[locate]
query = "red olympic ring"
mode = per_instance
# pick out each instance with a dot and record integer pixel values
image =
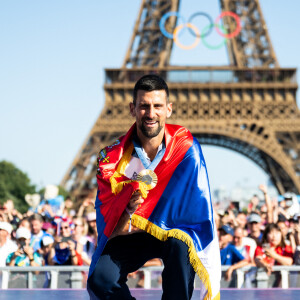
(238, 24)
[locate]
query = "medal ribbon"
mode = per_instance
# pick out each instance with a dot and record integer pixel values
(141, 154)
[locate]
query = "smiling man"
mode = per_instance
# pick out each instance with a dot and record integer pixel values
(153, 201)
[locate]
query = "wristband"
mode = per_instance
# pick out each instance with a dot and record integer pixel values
(130, 216)
(31, 259)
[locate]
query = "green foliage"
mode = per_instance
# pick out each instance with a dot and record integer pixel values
(14, 185)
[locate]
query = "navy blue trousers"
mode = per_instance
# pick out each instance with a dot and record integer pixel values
(127, 253)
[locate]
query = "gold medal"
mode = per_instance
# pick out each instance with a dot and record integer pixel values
(148, 177)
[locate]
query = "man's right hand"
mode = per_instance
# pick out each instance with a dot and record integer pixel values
(135, 200)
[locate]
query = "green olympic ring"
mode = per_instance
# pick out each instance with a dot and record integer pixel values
(216, 46)
(204, 32)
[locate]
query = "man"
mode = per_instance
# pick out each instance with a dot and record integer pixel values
(254, 222)
(24, 256)
(7, 246)
(230, 256)
(154, 178)
(245, 245)
(37, 234)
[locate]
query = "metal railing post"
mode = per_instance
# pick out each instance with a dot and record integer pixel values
(5, 279)
(284, 279)
(262, 278)
(240, 275)
(30, 282)
(76, 280)
(54, 279)
(147, 279)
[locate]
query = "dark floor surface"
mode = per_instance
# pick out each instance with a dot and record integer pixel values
(140, 294)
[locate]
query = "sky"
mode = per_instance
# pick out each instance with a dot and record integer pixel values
(52, 59)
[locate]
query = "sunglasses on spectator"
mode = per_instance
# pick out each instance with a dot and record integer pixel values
(75, 225)
(64, 227)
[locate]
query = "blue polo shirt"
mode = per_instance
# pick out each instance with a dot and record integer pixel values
(230, 255)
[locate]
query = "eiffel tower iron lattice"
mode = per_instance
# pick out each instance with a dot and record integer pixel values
(249, 107)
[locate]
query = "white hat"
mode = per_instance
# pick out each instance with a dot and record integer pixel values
(47, 240)
(23, 232)
(6, 226)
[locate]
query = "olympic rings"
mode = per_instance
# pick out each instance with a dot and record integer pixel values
(237, 20)
(209, 19)
(163, 21)
(216, 46)
(205, 32)
(189, 25)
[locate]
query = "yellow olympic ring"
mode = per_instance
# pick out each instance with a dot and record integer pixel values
(193, 27)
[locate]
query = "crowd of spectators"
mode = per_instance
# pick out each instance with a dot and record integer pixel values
(264, 235)
(44, 237)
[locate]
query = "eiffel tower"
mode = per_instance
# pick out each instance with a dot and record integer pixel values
(249, 106)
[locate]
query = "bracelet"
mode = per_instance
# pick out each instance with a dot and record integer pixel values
(31, 259)
(73, 255)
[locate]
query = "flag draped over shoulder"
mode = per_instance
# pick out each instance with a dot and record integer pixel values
(179, 206)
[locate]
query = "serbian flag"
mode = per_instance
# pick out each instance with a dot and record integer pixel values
(179, 206)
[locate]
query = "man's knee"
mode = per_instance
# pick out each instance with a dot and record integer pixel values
(177, 247)
(105, 277)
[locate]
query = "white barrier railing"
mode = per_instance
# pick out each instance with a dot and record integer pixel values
(76, 277)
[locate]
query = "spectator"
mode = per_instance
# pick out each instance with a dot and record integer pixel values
(287, 233)
(46, 245)
(230, 256)
(25, 255)
(254, 222)
(92, 227)
(80, 236)
(25, 223)
(7, 246)
(36, 222)
(245, 245)
(63, 251)
(267, 209)
(241, 219)
(273, 250)
(68, 210)
(253, 205)
(289, 206)
(88, 202)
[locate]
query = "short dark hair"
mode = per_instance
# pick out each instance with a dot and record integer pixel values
(150, 83)
(36, 217)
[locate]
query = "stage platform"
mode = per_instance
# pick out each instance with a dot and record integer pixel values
(153, 294)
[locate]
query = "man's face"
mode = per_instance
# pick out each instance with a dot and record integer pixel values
(238, 237)
(224, 238)
(254, 227)
(3, 235)
(151, 111)
(36, 226)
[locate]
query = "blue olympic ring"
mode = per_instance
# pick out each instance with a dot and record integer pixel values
(205, 32)
(163, 21)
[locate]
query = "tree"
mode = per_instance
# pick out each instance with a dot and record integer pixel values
(14, 185)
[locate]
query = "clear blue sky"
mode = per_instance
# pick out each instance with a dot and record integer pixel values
(52, 59)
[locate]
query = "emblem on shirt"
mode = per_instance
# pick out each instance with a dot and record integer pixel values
(134, 176)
